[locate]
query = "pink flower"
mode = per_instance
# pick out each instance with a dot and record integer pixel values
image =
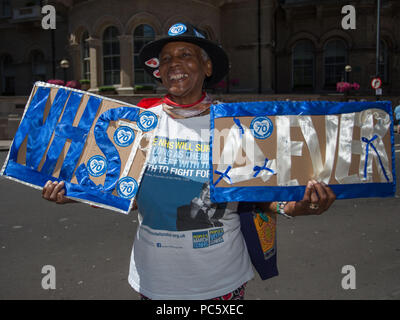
(73, 84)
(341, 86)
(345, 86)
(56, 82)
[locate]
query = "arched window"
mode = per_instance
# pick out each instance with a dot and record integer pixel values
(383, 61)
(303, 64)
(38, 65)
(111, 56)
(85, 56)
(142, 35)
(335, 58)
(7, 72)
(5, 8)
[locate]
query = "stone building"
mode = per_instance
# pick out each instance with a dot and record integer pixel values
(313, 49)
(275, 46)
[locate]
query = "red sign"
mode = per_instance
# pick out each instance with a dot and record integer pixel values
(376, 83)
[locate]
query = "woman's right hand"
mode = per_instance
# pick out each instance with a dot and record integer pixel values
(54, 191)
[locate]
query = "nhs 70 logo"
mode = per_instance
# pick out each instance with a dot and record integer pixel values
(97, 166)
(124, 136)
(147, 121)
(127, 187)
(261, 127)
(177, 29)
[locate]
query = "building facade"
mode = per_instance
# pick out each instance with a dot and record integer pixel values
(313, 48)
(275, 46)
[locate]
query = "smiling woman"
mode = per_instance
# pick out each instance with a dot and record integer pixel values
(183, 71)
(186, 246)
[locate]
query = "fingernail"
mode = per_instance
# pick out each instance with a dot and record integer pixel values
(309, 184)
(314, 182)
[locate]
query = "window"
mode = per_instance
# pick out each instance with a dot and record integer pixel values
(5, 8)
(38, 66)
(85, 56)
(111, 57)
(335, 57)
(7, 72)
(142, 35)
(383, 61)
(303, 65)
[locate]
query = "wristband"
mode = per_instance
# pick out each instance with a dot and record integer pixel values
(280, 209)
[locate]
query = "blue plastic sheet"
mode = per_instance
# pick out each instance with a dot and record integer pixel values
(106, 145)
(47, 126)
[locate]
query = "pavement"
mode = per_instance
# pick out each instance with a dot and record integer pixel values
(90, 250)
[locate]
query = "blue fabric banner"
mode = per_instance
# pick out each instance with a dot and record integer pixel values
(63, 129)
(267, 151)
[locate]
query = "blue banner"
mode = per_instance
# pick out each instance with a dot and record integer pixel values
(60, 131)
(267, 151)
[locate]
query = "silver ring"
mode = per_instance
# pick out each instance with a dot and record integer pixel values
(314, 206)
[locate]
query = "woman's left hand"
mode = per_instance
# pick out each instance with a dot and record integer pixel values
(318, 197)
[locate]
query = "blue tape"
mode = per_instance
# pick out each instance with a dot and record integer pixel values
(276, 108)
(369, 143)
(39, 179)
(296, 193)
(393, 150)
(237, 122)
(32, 121)
(82, 177)
(78, 191)
(40, 138)
(58, 144)
(107, 147)
(78, 142)
(222, 175)
(68, 132)
(26, 174)
(258, 169)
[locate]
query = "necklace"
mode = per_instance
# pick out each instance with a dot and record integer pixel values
(176, 111)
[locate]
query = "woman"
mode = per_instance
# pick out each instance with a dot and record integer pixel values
(187, 247)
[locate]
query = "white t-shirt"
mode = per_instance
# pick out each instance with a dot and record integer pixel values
(186, 247)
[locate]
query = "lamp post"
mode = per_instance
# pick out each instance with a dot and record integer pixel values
(64, 64)
(378, 36)
(347, 70)
(378, 40)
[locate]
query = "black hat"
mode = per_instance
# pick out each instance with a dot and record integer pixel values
(187, 33)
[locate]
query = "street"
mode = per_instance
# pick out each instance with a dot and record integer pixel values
(90, 249)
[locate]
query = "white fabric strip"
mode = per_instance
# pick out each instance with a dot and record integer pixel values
(322, 171)
(138, 138)
(235, 142)
(284, 151)
(345, 150)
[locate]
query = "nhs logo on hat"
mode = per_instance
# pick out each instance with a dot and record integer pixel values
(198, 34)
(177, 29)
